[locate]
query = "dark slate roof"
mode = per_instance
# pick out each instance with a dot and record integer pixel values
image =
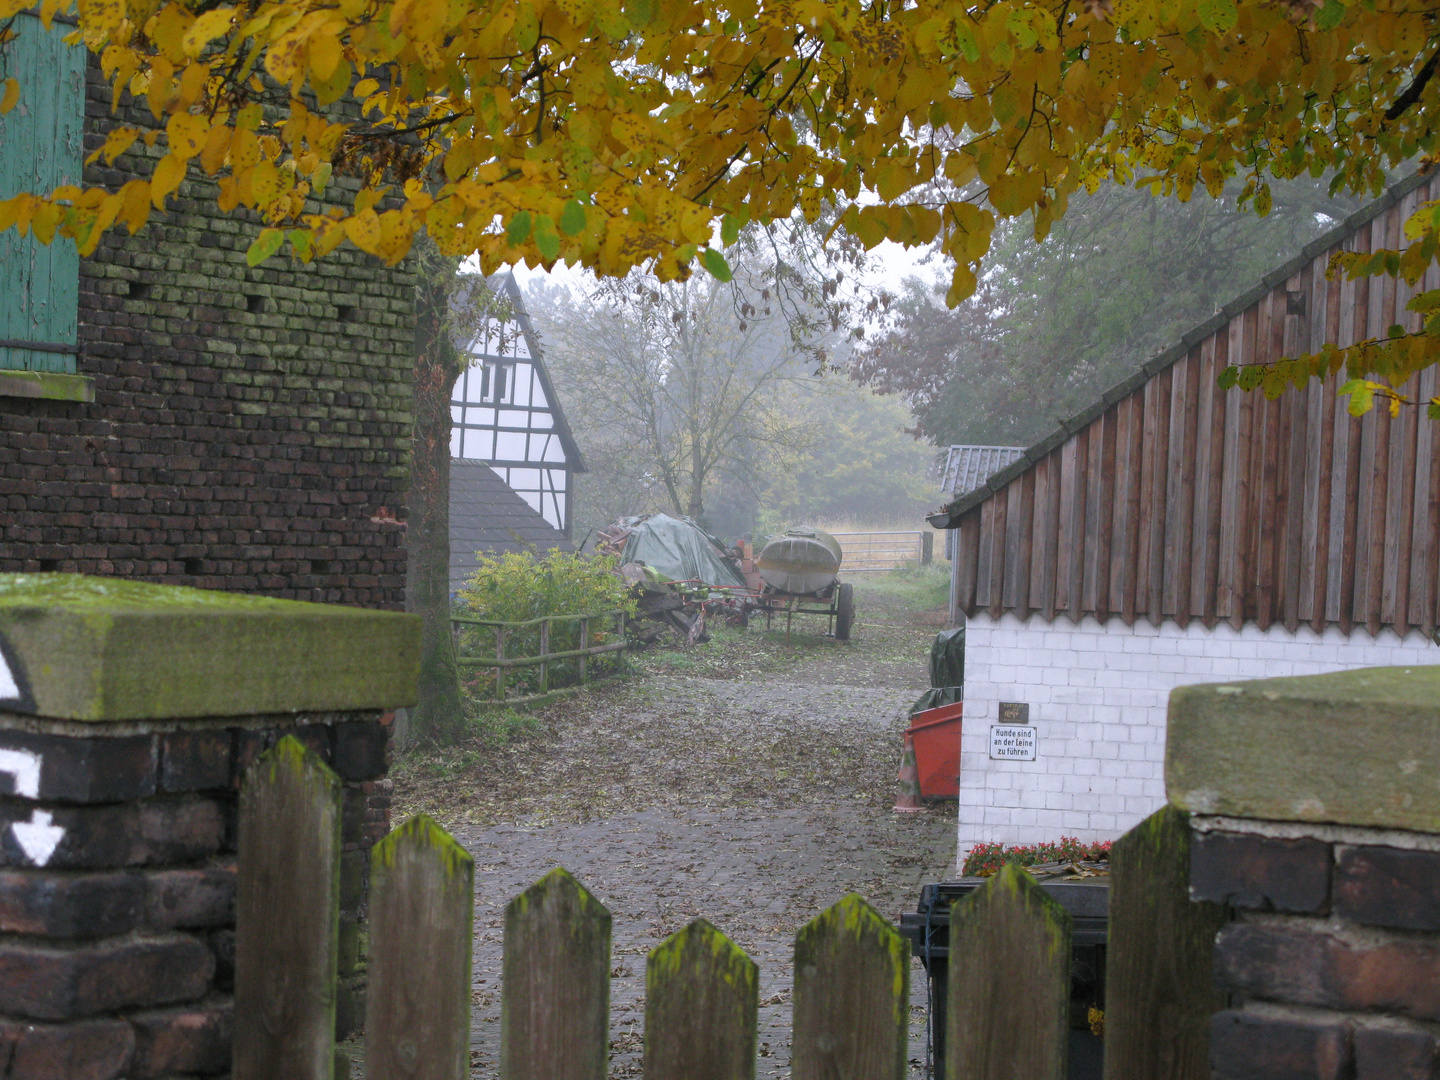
(949, 515)
(486, 515)
(967, 467)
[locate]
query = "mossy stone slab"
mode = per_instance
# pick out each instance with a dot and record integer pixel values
(1353, 748)
(106, 649)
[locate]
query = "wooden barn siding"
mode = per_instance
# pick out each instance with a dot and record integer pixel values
(1182, 501)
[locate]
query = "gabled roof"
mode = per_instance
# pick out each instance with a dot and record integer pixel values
(1172, 499)
(505, 284)
(1031, 454)
(486, 515)
(967, 467)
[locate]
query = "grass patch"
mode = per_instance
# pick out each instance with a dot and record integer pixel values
(920, 588)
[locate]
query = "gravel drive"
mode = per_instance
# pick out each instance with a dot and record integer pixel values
(749, 781)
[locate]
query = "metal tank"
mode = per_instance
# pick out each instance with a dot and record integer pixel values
(803, 562)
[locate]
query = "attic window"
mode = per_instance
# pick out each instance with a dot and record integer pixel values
(494, 379)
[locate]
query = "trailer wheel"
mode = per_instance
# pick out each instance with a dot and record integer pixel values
(844, 611)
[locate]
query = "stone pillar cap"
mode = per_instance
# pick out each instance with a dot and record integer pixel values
(1352, 748)
(75, 647)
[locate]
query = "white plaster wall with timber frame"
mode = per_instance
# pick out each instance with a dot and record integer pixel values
(1098, 696)
(504, 413)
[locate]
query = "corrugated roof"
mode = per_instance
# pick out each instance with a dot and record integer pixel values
(967, 467)
(487, 515)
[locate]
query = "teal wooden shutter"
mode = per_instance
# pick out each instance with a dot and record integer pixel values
(41, 146)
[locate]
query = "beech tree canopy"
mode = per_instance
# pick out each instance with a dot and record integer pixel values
(614, 134)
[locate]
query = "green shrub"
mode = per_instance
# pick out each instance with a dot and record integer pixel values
(520, 586)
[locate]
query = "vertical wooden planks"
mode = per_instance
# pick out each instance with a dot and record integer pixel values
(1370, 517)
(1047, 515)
(555, 985)
(701, 1001)
(1019, 531)
(1099, 510)
(1399, 506)
(1180, 488)
(1007, 1017)
(999, 512)
(1209, 461)
(1234, 484)
(422, 901)
(1130, 452)
(287, 917)
(984, 550)
(1270, 437)
(1159, 993)
(1070, 569)
(1318, 444)
(852, 996)
(967, 554)
(1421, 565)
(1297, 430)
(1432, 600)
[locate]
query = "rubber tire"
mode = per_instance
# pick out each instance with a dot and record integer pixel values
(844, 611)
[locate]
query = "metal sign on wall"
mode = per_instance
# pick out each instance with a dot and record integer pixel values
(1013, 739)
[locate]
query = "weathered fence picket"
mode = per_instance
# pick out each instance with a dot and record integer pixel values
(702, 998)
(1008, 1013)
(422, 903)
(555, 983)
(287, 917)
(1160, 991)
(1007, 1004)
(852, 996)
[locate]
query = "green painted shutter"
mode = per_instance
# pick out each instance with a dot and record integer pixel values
(41, 146)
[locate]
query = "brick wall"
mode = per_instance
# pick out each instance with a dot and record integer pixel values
(1098, 697)
(117, 953)
(250, 429)
(1333, 958)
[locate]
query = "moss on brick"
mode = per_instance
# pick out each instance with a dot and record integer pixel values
(1352, 748)
(102, 649)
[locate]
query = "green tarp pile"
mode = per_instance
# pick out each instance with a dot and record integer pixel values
(678, 549)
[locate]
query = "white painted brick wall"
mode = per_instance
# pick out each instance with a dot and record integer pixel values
(1098, 697)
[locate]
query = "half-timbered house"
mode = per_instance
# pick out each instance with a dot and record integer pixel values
(513, 458)
(1179, 533)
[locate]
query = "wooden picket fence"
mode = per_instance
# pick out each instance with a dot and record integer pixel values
(1009, 973)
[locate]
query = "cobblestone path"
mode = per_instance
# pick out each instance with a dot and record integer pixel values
(752, 793)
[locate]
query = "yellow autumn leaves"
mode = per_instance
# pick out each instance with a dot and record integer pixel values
(615, 133)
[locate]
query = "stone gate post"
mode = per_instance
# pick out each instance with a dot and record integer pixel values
(1316, 804)
(128, 714)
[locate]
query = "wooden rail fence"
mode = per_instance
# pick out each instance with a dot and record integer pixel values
(1009, 980)
(503, 662)
(874, 552)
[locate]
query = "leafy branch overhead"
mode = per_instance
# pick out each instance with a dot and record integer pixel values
(619, 133)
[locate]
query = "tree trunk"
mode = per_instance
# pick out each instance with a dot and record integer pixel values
(696, 509)
(438, 718)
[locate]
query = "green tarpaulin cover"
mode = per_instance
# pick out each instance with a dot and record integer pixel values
(947, 671)
(679, 550)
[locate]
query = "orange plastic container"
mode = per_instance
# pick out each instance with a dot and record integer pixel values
(935, 734)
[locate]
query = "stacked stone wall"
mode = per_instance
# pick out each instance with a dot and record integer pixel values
(1316, 822)
(250, 429)
(1333, 958)
(117, 952)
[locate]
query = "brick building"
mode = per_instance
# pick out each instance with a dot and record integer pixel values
(1178, 533)
(168, 413)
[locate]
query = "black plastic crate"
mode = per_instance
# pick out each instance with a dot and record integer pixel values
(1087, 901)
